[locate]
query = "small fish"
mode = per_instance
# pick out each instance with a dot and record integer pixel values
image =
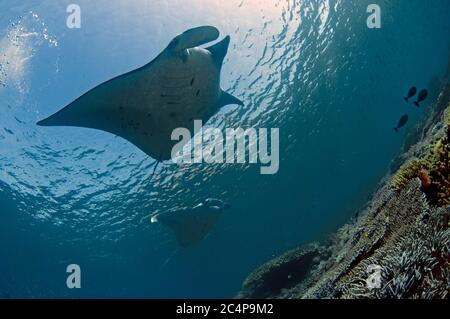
(422, 97)
(412, 91)
(403, 120)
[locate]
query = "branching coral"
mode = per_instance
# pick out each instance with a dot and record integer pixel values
(414, 265)
(421, 271)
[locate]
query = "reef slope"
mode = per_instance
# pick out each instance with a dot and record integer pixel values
(402, 233)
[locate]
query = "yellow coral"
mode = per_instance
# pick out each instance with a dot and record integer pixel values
(446, 120)
(436, 163)
(439, 192)
(408, 171)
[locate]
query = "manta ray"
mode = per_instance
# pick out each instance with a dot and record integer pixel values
(191, 225)
(144, 106)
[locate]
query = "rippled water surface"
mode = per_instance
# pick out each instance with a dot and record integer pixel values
(311, 68)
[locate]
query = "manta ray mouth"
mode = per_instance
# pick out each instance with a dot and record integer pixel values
(193, 38)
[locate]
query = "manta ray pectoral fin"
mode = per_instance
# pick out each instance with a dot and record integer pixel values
(47, 122)
(102, 107)
(227, 99)
(193, 38)
(60, 118)
(219, 50)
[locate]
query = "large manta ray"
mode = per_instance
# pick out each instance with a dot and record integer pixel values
(144, 106)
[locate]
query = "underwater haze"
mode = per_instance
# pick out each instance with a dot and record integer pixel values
(311, 68)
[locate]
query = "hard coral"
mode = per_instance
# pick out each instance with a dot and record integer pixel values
(433, 169)
(447, 117)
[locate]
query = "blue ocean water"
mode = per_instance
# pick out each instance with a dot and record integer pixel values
(311, 68)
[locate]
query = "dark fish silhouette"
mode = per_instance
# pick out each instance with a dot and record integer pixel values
(422, 97)
(403, 120)
(191, 225)
(412, 91)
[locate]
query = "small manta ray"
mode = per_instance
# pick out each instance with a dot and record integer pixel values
(412, 91)
(144, 106)
(403, 120)
(422, 97)
(191, 225)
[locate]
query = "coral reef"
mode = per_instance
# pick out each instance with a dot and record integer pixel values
(439, 191)
(404, 232)
(277, 278)
(414, 258)
(407, 172)
(433, 168)
(446, 119)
